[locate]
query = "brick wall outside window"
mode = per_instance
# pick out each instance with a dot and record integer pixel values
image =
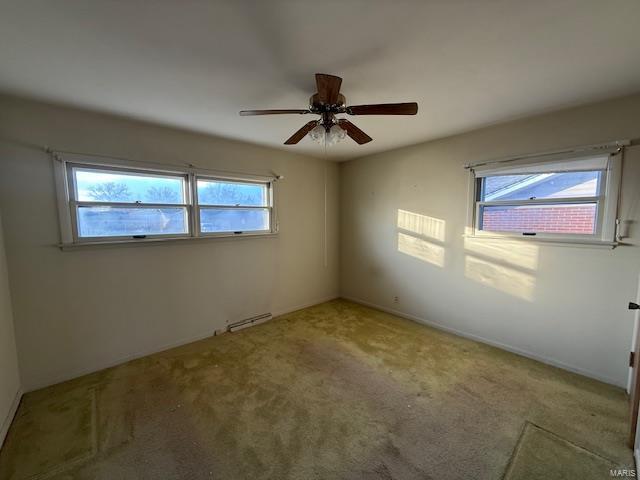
(578, 219)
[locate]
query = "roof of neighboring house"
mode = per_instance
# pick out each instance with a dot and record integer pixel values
(501, 182)
(541, 185)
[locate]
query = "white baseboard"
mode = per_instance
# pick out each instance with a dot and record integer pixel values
(167, 346)
(284, 311)
(493, 343)
(6, 423)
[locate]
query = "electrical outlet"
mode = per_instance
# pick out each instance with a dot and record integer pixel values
(396, 300)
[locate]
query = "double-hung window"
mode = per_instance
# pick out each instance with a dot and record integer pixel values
(102, 203)
(565, 199)
(119, 203)
(232, 206)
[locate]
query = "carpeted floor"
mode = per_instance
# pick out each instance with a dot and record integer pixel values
(335, 391)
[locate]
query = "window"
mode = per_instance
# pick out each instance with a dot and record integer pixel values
(566, 199)
(226, 206)
(116, 203)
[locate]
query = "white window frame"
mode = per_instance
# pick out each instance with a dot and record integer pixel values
(606, 205)
(199, 207)
(68, 204)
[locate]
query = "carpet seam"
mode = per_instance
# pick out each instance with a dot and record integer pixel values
(518, 446)
(515, 450)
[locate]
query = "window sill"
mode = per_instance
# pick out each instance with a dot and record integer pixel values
(549, 241)
(158, 241)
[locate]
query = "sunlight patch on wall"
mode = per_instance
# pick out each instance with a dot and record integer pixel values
(508, 265)
(518, 254)
(501, 277)
(421, 249)
(421, 237)
(424, 225)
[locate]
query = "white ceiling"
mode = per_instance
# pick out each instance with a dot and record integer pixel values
(195, 64)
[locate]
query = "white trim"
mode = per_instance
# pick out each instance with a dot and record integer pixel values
(493, 343)
(633, 349)
(63, 377)
(471, 204)
(160, 240)
(634, 338)
(560, 242)
(636, 446)
(612, 197)
(540, 201)
(6, 423)
(62, 196)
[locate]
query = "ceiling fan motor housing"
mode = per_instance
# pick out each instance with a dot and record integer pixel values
(318, 106)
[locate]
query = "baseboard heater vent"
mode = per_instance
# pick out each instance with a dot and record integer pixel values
(249, 322)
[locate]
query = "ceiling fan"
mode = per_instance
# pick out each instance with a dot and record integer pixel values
(328, 102)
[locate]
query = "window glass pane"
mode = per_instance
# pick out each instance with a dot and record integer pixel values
(216, 192)
(579, 218)
(110, 186)
(122, 221)
(542, 185)
(233, 219)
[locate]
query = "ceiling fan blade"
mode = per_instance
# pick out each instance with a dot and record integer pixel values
(245, 113)
(328, 88)
(384, 109)
(354, 132)
(299, 135)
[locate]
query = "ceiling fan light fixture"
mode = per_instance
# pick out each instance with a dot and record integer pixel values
(327, 136)
(335, 135)
(317, 134)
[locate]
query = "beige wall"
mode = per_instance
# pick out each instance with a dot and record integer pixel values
(78, 311)
(562, 304)
(9, 375)
(81, 310)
